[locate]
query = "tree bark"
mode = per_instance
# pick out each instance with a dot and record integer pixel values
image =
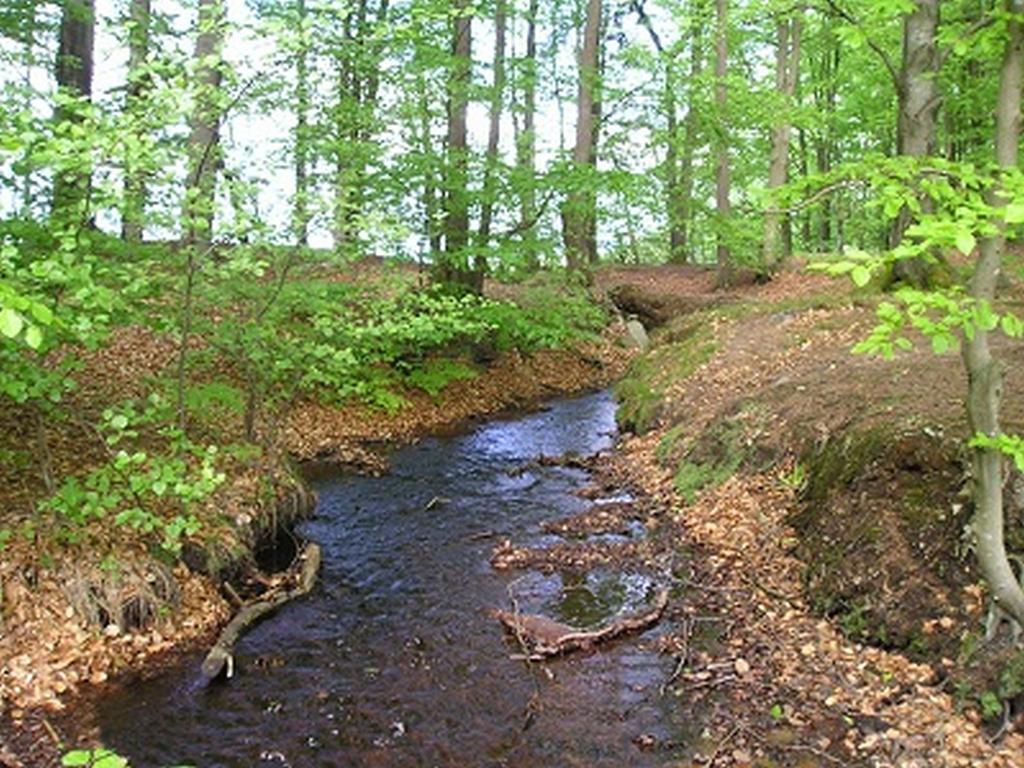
(526, 146)
(494, 131)
(919, 100)
(300, 211)
(984, 373)
(135, 193)
(675, 205)
(74, 69)
(723, 258)
(686, 179)
(454, 267)
(787, 66)
(579, 212)
(204, 128)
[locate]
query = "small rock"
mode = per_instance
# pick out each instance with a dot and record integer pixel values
(742, 667)
(636, 335)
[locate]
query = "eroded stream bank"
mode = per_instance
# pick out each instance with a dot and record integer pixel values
(393, 659)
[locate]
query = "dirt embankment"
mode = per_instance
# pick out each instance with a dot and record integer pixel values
(80, 610)
(825, 496)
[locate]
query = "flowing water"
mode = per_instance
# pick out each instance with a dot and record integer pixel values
(392, 660)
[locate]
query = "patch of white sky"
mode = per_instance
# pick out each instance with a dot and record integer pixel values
(258, 139)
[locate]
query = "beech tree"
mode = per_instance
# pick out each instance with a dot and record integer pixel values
(723, 205)
(74, 70)
(204, 149)
(787, 67)
(134, 209)
(984, 373)
(579, 211)
(455, 267)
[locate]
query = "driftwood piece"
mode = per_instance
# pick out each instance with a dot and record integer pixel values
(220, 658)
(544, 638)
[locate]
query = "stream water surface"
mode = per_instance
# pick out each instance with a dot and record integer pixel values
(392, 660)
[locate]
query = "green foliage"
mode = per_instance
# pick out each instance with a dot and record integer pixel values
(93, 758)
(434, 375)
(148, 491)
(101, 757)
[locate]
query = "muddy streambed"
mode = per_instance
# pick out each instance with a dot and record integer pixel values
(392, 660)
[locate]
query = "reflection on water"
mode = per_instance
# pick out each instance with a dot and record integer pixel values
(392, 660)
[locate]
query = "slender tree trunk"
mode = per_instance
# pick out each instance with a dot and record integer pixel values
(426, 148)
(351, 71)
(454, 267)
(805, 219)
(675, 206)
(825, 94)
(722, 184)
(579, 214)
(919, 100)
(74, 69)
(526, 146)
(27, 188)
(690, 126)
(984, 373)
(204, 128)
(300, 211)
(135, 193)
(787, 65)
(494, 132)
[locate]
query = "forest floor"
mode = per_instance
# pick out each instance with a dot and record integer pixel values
(831, 615)
(822, 494)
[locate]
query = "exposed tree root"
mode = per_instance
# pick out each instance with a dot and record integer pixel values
(220, 658)
(543, 638)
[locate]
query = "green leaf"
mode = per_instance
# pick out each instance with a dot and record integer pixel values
(11, 323)
(77, 757)
(860, 275)
(119, 422)
(33, 337)
(941, 344)
(776, 712)
(1012, 325)
(42, 313)
(108, 759)
(965, 242)
(1015, 213)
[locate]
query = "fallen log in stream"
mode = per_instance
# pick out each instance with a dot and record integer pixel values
(542, 638)
(220, 658)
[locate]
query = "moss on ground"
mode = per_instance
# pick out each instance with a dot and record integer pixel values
(641, 392)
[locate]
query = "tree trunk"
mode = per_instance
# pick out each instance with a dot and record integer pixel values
(918, 94)
(579, 214)
(526, 146)
(494, 132)
(300, 211)
(675, 205)
(204, 128)
(430, 201)
(787, 65)
(454, 267)
(351, 70)
(825, 94)
(984, 373)
(723, 258)
(697, 25)
(134, 211)
(74, 68)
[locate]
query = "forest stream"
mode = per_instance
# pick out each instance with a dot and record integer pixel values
(393, 659)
